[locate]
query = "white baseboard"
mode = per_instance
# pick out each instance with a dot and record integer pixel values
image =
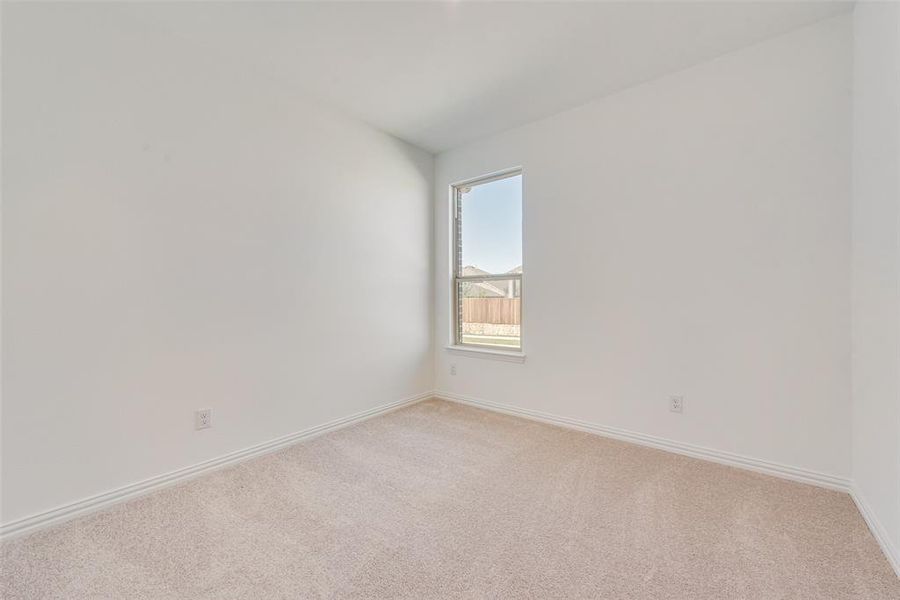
(100, 501)
(878, 531)
(825, 480)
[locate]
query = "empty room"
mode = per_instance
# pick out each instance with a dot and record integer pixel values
(450, 299)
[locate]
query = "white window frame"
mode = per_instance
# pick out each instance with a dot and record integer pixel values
(456, 278)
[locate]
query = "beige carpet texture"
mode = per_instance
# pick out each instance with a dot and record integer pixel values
(440, 500)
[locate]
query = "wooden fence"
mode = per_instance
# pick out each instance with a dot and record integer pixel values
(506, 311)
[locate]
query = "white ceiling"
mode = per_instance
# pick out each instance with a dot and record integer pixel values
(440, 74)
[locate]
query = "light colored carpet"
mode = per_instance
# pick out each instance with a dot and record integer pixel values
(444, 501)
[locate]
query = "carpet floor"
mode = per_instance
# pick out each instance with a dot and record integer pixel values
(439, 500)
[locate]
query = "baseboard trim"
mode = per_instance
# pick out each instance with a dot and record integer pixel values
(878, 531)
(798, 474)
(95, 503)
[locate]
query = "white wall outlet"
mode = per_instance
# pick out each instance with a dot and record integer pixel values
(203, 418)
(453, 369)
(676, 403)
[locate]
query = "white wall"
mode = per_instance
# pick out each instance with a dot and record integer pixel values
(687, 236)
(876, 265)
(178, 233)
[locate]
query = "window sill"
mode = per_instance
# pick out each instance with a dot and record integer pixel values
(489, 353)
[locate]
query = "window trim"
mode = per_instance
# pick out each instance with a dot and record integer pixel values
(456, 345)
(491, 352)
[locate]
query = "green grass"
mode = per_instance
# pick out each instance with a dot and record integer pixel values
(502, 341)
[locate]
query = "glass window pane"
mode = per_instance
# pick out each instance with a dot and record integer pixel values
(491, 312)
(491, 227)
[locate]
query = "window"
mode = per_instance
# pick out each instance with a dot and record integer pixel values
(487, 264)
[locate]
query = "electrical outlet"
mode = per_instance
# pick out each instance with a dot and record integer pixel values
(203, 418)
(676, 403)
(453, 369)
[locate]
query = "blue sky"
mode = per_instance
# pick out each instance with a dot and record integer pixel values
(492, 225)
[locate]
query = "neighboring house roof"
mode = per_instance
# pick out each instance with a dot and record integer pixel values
(470, 271)
(485, 289)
